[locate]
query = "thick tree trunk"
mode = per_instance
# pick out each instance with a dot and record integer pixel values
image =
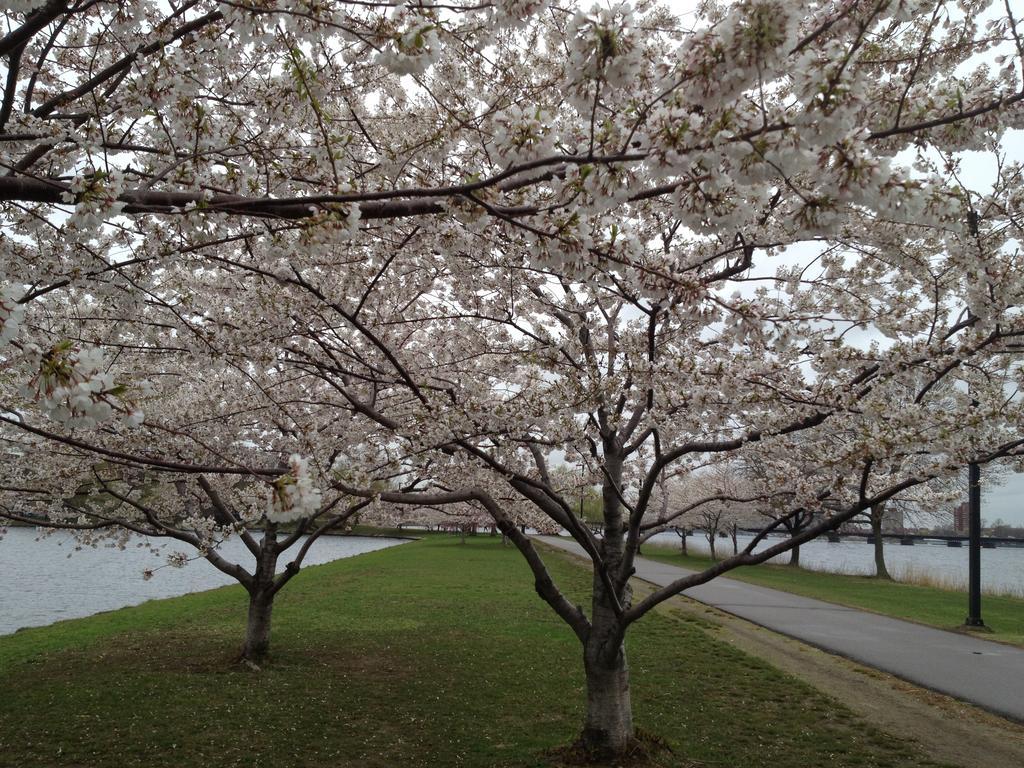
(711, 544)
(608, 729)
(609, 725)
(257, 630)
(261, 599)
(876, 529)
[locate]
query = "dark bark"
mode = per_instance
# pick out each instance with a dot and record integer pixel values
(734, 534)
(797, 525)
(257, 629)
(608, 729)
(261, 598)
(34, 22)
(794, 556)
(881, 571)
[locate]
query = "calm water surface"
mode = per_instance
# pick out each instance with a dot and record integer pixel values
(1002, 569)
(44, 579)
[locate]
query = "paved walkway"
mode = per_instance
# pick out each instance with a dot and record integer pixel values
(988, 674)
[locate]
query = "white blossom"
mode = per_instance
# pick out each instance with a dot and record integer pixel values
(294, 495)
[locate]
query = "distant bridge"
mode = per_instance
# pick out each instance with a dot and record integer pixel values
(906, 539)
(909, 539)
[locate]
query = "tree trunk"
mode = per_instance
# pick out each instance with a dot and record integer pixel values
(881, 571)
(794, 556)
(734, 533)
(608, 729)
(609, 725)
(261, 598)
(682, 542)
(711, 544)
(257, 630)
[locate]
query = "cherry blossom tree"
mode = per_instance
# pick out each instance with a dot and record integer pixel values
(110, 509)
(649, 244)
(927, 505)
(197, 472)
(907, 507)
(716, 500)
(763, 473)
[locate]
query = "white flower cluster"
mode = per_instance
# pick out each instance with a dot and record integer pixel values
(293, 495)
(604, 47)
(908, 10)
(756, 34)
(523, 134)
(515, 13)
(177, 559)
(204, 527)
(95, 197)
(11, 315)
(74, 389)
(415, 48)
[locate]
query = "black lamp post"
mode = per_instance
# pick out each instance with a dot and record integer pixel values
(973, 509)
(974, 542)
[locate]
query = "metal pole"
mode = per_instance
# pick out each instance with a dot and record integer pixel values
(974, 542)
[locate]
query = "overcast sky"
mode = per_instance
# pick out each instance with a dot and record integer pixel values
(1005, 501)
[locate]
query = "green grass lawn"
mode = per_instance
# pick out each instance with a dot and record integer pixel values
(928, 605)
(433, 653)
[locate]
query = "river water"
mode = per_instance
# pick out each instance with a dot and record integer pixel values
(1002, 569)
(44, 579)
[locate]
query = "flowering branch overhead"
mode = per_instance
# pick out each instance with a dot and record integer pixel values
(348, 254)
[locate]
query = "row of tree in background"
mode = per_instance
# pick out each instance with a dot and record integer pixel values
(1001, 528)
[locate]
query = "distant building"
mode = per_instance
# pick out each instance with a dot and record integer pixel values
(961, 521)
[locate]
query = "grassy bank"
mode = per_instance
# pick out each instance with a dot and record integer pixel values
(936, 607)
(434, 653)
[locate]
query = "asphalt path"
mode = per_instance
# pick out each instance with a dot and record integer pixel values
(988, 674)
